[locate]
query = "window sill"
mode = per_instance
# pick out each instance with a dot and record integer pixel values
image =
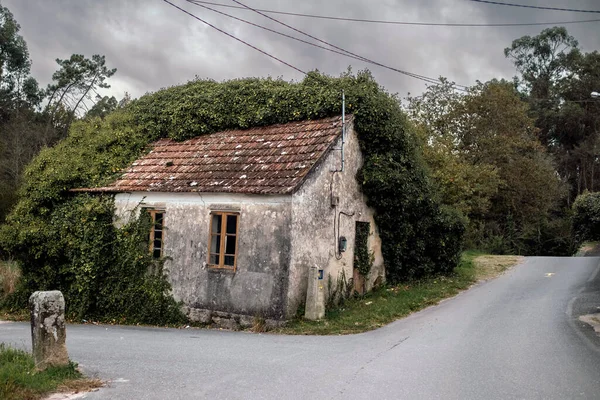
(217, 268)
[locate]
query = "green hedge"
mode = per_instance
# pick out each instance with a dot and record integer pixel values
(94, 258)
(586, 216)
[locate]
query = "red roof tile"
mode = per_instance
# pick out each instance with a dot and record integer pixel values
(265, 160)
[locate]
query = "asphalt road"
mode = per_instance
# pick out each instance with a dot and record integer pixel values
(516, 337)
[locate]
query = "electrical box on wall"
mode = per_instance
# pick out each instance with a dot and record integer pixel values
(335, 201)
(342, 244)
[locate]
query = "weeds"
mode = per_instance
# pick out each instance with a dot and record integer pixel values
(9, 277)
(19, 379)
(338, 291)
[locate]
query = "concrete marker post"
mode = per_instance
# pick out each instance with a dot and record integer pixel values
(315, 305)
(48, 330)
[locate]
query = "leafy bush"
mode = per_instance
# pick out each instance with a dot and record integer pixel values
(101, 269)
(553, 237)
(67, 241)
(586, 216)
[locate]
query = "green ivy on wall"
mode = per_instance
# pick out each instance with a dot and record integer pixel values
(363, 259)
(419, 237)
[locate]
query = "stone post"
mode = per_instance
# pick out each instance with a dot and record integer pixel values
(315, 304)
(48, 333)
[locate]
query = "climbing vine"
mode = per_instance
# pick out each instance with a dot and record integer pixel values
(64, 240)
(363, 259)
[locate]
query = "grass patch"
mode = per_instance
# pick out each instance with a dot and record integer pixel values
(388, 304)
(9, 277)
(19, 379)
(17, 315)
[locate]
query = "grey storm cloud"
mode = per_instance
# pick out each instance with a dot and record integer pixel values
(154, 45)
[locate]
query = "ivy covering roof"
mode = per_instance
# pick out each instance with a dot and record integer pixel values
(271, 159)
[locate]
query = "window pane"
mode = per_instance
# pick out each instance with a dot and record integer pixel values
(215, 243)
(230, 245)
(158, 219)
(216, 223)
(231, 224)
(157, 244)
(157, 234)
(156, 253)
(214, 259)
(229, 260)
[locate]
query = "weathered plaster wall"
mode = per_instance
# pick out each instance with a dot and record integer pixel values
(259, 284)
(314, 241)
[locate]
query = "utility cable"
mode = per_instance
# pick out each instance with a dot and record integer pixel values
(417, 76)
(388, 22)
(430, 80)
(234, 37)
(497, 3)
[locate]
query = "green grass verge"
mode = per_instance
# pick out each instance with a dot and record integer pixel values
(388, 304)
(19, 379)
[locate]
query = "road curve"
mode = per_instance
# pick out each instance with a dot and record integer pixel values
(516, 337)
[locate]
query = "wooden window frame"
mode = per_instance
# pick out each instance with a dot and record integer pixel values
(152, 212)
(224, 234)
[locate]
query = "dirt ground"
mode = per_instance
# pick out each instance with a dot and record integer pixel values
(491, 266)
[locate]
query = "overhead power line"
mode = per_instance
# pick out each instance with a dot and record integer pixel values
(276, 32)
(413, 75)
(234, 37)
(346, 54)
(498, 3)
(389, 22)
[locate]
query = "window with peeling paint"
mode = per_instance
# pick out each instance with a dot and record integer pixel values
(222, 247)
(157, 232)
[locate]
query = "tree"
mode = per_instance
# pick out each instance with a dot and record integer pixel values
(73, 84)
(19, 143)
(557, 78)
(497, 130)
(19, 96)
(483, 149)
(464, 185)
(543, 60)
(17, 88)
(104, 106)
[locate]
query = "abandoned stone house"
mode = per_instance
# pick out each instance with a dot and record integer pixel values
(243, 216)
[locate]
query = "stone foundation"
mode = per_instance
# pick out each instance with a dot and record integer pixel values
(230, 321)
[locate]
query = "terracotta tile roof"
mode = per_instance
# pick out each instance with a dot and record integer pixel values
(265, 160)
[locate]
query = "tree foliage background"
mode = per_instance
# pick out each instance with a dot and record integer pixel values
(556, 79)
(484, 149)
(513, 156)
(32, 118)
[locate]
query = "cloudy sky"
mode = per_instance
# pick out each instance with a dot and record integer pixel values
(154, 45)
